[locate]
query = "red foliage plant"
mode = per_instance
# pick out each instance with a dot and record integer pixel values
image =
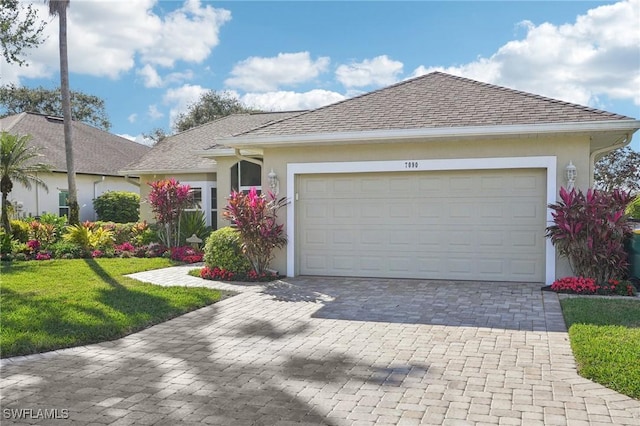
(255, 218)
(168, 198)
(590, 230)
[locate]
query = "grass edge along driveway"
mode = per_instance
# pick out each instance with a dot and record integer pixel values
(48, 305)
(605, 339)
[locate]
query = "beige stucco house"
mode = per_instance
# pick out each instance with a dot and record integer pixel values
(437, 177)
(98, 157)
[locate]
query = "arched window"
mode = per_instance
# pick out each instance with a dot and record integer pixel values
(245, 175)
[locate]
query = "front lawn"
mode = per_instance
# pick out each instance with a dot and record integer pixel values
(605, 338)
(47, 305)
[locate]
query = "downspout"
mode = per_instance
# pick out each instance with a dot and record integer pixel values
(95, 194)
(594, 154)
(249, 159)
(37, 198)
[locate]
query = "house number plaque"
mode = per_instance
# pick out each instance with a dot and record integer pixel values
(410, 164)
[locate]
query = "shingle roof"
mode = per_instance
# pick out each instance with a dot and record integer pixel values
(179, 152)
(431, 101)
(95, 151)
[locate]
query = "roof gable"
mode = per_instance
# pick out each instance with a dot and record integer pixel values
(435, 100)
(95, 151)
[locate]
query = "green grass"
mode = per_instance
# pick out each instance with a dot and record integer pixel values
(605, 338)
(47, 305)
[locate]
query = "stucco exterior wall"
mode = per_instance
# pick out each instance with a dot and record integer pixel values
(564, 148)
(38, 201)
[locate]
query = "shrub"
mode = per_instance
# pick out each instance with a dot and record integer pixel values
(89, 237)
(216, 274)
(122, 232)
(633, 209)
(20, 230)
(118, 206)
(168, 199)
(58, 223)
(255, 218)
(590, 231)
(193, 223)
(65, 250)
(186, 254)
(43, 232)
(222, 250)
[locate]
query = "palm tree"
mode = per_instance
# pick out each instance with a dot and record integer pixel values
(59, 8)
(16, 165)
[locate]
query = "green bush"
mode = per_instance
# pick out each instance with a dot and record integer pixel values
(20, 230)
(65, 250)
(193, 222)
(633, 209)
(58, 222)
(222, 250)
(118, 206)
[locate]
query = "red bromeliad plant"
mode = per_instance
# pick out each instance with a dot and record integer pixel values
(254, 217)
(589, 230)
(168, 199)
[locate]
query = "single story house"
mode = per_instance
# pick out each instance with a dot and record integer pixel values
(436, 177)
(98, 155)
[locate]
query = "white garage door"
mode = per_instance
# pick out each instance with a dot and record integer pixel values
(463, 225)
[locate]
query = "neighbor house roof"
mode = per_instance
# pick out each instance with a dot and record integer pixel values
(180, 152)
(95, 151)
(437, 102)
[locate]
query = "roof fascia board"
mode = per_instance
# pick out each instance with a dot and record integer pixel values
(127, 172)
(432, 133)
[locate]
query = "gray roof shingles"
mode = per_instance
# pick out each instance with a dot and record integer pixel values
(95, 151)
(431, 101)
(179, 152)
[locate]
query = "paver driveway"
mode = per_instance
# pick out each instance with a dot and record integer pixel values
(328, 351)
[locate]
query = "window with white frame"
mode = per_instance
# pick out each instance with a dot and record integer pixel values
(246, 175)
(63, 203)
(196, 200)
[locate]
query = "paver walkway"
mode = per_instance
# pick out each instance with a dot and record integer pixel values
(328, 351)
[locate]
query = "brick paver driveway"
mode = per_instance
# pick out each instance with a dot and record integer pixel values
(328, 351)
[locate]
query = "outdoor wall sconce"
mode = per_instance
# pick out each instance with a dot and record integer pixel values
(572, 173)
(274, 183)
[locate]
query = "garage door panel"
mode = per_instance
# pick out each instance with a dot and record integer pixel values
(437, 225)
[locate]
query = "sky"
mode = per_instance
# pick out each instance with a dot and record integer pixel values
(150, 59)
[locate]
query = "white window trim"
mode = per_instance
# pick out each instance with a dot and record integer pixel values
(549, 163)
(205, 187)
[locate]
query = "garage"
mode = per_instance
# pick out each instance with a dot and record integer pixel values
(442, 224)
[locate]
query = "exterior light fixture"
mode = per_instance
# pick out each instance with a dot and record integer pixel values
(274, 183)
(572, 173)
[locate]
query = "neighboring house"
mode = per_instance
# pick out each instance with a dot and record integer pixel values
(176, 156)
(437, 177)
(98, 156)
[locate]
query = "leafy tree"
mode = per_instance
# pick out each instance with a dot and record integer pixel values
(210, 106)
(87, 108)
(19, 30)
(255, 218)
(618, 169)
(59, 8)
(156, 135)
(16, 164)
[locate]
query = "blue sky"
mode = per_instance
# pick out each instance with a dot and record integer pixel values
(149, 59)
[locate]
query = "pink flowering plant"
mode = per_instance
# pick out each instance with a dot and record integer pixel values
(581, 285)
(590, 230)
(168, 198)
(254, 217)
(186, 254)
(216, 274)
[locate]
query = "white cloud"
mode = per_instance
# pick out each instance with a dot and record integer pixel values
(380, 71)
(268, 74)
(154, 113)
(290, 101)
(151, 77)
(180, 98)
(578, 62)
(105, 38)
(132, 118)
